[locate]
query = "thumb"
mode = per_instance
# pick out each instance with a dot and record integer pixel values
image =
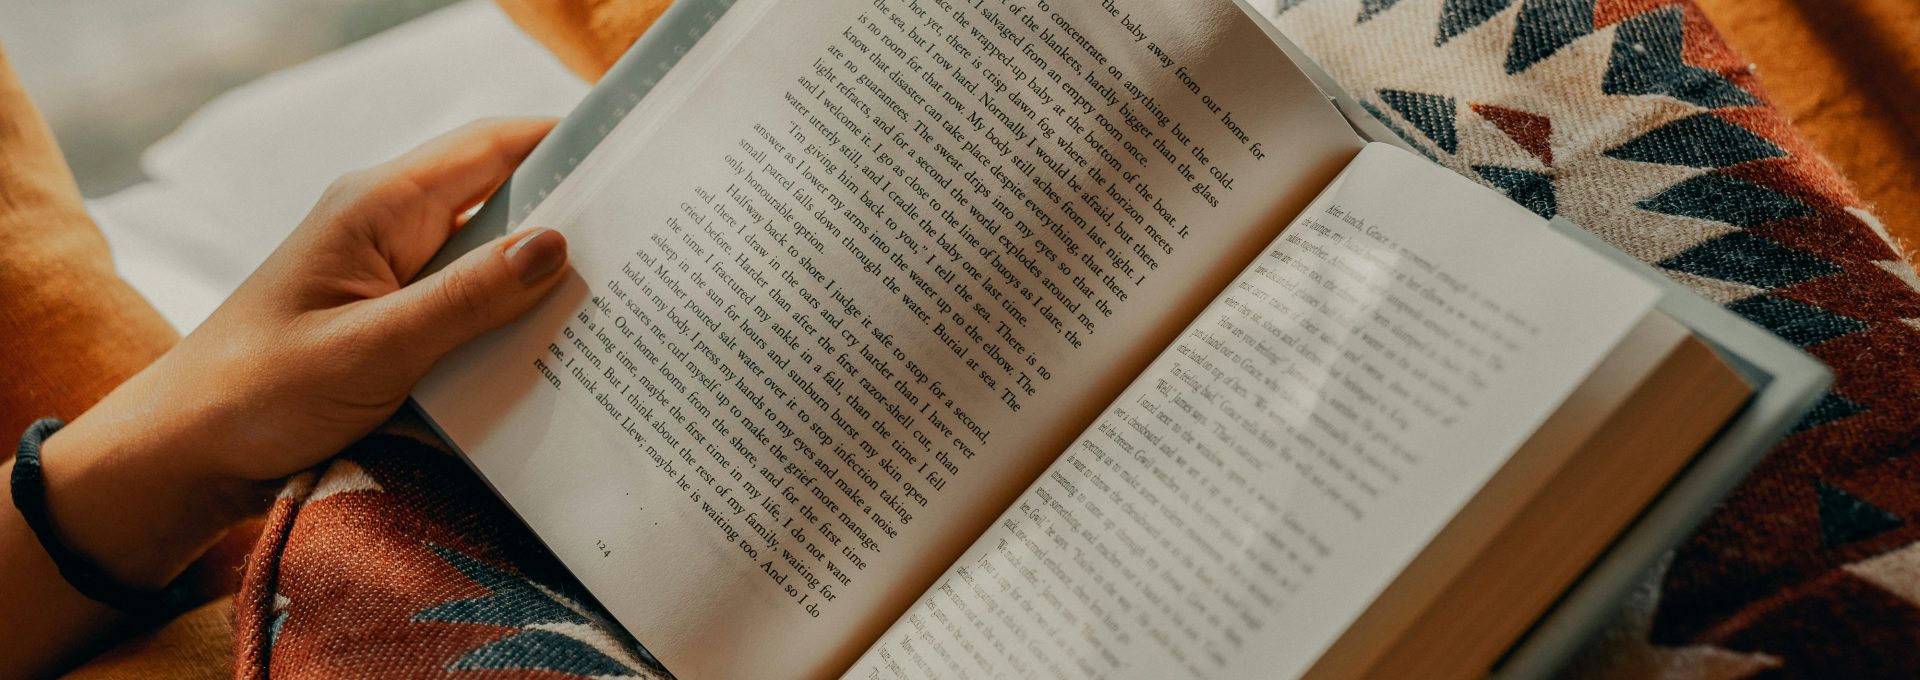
(481, 291)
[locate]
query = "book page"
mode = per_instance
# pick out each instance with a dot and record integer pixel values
(1293, 450)
(849, 279)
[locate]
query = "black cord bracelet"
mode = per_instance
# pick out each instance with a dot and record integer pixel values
(30, 497)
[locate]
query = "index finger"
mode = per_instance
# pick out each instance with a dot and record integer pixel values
(417, 199)
(459, 169)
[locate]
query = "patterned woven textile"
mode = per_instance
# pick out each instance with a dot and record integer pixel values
(1632, 117)
(396, 561)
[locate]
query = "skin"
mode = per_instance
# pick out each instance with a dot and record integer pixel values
(317, 348)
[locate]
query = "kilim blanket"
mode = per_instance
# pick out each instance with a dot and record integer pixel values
(1631, 117)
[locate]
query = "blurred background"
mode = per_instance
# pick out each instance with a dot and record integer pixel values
(113, 76)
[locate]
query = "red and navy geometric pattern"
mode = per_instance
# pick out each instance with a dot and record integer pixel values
(1630, 117)
(1634, 119)
(396, 562)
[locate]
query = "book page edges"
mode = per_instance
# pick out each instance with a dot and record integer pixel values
(1661, 395)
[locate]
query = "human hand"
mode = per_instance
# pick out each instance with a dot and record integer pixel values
(319, 346)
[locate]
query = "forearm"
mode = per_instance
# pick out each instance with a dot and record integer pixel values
(317, 348)
(43, 620)
(127, 496)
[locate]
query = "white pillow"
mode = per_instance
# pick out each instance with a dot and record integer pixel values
(228, 186)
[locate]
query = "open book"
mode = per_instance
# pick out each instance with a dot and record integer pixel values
(928, 338)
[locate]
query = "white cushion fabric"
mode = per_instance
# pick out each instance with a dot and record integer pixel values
(228, 186)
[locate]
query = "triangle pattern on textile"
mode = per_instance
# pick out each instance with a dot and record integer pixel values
(1721, 291)
(1399, 131)
(1532, 132)
(1528, 188)
(1755, 261)
(1609, 12)
(1545, 27)
(1699, 141)
(1796, 322)
(1899, 269)
(343, 477)
(279, 621)
(1649, 58)
(515, 602)
(1725, 199)
(1460, 16)
(1368, 8)
(1846, 518)
(1283, 6)
(511, 601)
(1893, 571)
(543, 650)
(1430, 113)
(1831, 408)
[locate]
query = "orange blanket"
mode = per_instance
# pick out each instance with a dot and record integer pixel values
(70, 331)
(587, 35)
(1848, 73)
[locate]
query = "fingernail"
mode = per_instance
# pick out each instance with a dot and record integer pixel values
(537, 255)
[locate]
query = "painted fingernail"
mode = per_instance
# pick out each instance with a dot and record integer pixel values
(537, 255)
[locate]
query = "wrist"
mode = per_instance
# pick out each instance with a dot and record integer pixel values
(132, 489)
